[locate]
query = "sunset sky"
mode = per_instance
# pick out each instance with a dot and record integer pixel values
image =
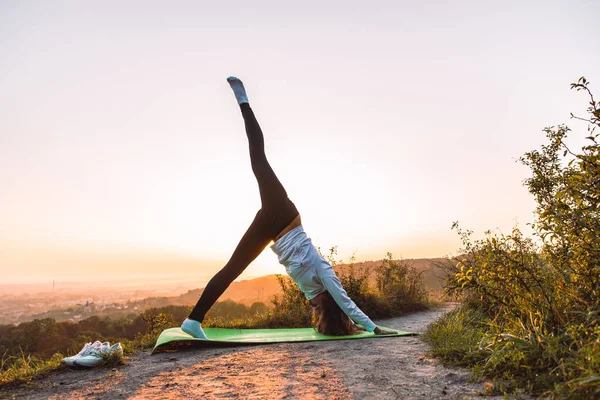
(122, 149)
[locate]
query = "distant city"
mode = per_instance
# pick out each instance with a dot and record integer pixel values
(73, 301)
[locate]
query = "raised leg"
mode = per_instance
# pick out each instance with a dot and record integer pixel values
(272, 192)
(276, 213)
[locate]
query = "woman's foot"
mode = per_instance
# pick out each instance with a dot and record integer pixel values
(238, 89)
(193, 327)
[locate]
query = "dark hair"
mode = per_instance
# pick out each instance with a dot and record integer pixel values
(329, 319)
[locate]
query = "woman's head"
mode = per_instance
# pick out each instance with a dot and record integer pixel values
(328, 318)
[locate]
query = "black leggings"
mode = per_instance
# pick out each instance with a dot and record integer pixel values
(277, 211)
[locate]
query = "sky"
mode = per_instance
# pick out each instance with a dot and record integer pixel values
(123, 153)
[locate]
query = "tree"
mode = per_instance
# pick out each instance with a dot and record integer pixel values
(542, 294)
(566, 187)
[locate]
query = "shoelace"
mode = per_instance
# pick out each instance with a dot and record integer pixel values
(85, 350)
(90, 349)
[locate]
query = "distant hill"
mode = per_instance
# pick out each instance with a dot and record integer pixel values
(433, 271)
(246, 292)
(264, 288)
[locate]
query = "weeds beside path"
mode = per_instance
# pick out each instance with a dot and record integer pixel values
(384, 368)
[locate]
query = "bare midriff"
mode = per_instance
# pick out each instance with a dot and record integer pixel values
(295, 223)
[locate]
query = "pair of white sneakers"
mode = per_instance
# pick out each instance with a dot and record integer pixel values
(92, 354)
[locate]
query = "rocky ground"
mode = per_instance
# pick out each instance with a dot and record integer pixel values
(383, 368)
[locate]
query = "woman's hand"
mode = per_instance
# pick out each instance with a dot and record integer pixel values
(379, 331)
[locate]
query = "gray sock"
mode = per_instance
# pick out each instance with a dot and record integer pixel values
(238, 89)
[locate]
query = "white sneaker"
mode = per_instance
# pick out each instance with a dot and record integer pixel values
(88, 361)
(114, 349)
(88, 350)
(96, 357)
(93, 353)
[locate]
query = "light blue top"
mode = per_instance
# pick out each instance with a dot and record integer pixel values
(313, 274)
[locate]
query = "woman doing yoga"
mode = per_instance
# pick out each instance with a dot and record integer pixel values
(278, 220)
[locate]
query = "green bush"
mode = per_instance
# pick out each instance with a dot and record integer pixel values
(401, 287)
(541, 295)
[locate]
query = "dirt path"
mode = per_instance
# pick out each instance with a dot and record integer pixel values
(385, 368)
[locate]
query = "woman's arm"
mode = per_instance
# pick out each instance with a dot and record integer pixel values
(380, 331)
(333, 285)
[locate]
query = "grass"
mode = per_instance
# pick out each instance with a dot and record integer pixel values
(547, 364)
(25, 368)
(456, 336)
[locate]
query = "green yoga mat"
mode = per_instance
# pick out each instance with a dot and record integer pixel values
(220, 337)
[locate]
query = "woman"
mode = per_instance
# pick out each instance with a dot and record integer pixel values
(278, 220)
